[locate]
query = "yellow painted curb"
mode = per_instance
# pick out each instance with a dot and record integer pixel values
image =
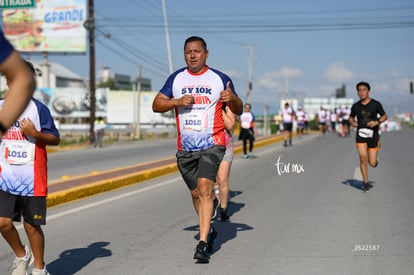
(65, 178)
(79, 192)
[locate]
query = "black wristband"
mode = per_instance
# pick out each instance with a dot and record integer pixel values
(2, 128)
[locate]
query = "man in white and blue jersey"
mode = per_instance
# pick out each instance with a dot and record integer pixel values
(196, 93)
(23, 183)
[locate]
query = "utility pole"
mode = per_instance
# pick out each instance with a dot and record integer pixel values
(138, 102)
(91, 28)
(167, 39)
(250, 84)
(265, 118)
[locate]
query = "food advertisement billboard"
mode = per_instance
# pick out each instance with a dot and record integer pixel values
(72, 102)
(54, 26)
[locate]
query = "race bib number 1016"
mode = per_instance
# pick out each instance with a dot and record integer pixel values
(19, 153)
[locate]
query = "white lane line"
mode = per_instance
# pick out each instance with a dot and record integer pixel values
(94, 204)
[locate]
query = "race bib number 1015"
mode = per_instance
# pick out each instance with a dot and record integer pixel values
(195, 122)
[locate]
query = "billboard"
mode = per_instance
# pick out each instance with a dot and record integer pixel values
(116, 106)
(52, 26)
(10, 4)
(121, 109)
(72, 102)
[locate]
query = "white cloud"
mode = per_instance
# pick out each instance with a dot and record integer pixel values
(269, 82)
(403, 84)
(233, 74)
(327, 90)
(337, 73)
(285, 72)
(290, 73)
(276, 79)
(391, 84)
(381, 87)
(394, 74)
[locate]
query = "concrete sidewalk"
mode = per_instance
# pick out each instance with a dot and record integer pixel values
(83, 186)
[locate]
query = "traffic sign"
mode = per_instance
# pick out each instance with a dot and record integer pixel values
(17, 4)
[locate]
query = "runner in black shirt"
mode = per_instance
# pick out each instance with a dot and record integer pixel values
(366, 111)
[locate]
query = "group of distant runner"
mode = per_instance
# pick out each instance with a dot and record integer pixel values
(365, 116)
(335, 121)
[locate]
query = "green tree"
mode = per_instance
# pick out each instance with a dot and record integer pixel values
(108, 84)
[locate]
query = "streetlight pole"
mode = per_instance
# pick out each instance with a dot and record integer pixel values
(46, 70)
(265, 118)
(167, 36)
(91, 28)
(167, 39)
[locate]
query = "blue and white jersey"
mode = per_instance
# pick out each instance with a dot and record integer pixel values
(200, 126)
(246, 120)
(23, 165)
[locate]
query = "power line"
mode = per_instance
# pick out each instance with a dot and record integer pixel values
(150, 7)
(387, 17)
(221, 25)
(295, 15)
(121, 29)
(127, 58)
(123, 47)
(126, 47)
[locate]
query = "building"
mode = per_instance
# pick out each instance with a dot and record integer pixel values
(313, 104)
(61, 77)
(67, 96)
(58, 77)
(121, 81)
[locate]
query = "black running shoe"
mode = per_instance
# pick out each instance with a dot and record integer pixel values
(211, 238)
(223, 215)
(216, 204)
(365, 188)
(201, 253)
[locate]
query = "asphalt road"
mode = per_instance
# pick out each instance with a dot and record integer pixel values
(89, 159)
(312, 218)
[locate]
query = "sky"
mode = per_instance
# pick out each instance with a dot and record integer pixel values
(299, 48)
